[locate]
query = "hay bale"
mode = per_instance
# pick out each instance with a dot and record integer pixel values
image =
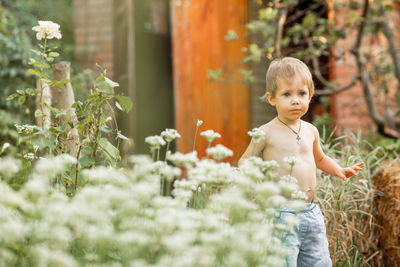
(387, 203)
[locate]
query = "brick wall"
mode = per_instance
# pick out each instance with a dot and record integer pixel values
(93, 33)
(349, 108)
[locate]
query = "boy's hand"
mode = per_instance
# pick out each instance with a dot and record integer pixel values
(351, 171)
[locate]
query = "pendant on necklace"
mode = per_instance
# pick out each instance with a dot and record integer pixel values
(298, 139)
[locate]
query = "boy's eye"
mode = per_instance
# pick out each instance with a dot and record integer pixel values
(303, 93)
(286, 94)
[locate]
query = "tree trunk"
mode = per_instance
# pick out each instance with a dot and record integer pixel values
(63, 98)
(46, 98)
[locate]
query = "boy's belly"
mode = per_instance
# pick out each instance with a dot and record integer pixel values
(305, 173)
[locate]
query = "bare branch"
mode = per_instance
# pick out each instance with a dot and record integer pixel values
(365, 81)
(332, 88)
(387, 31)
(279, 30)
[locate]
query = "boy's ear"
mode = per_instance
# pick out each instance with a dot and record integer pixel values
(270, 98)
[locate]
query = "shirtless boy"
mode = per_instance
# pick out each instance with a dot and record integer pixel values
(289, 90)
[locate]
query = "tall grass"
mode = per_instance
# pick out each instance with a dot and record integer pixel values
(348, 206)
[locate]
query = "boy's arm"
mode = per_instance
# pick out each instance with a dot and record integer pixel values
(253, 149)
(328, 165)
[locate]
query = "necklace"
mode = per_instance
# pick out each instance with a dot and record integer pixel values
(296, 133)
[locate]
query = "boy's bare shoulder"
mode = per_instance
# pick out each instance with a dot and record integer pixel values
(311, 127)
(266, 128)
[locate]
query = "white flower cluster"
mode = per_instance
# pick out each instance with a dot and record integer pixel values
(155, 141)
(170, 135)
(180, 159)
(47, 29)
(291, 160)
(219, 152)
(29, 156)
(210, 135)
(119, 215)
(257, 134)
(26, 128)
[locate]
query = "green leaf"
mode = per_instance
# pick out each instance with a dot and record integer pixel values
(21, 99)
(86, 161)
(125, 102)
(109, 148)
(105, 85)
(231, 36)
(105, 129)
(60, 83)
(122, 137)
(38, 113)
(247, 76)
(20, 92)
(36, 52)
(35, 72)
(31, 91)
(12, 96)
(53, 54)
(49, 142)
(214, 74)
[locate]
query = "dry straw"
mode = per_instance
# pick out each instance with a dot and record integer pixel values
(348, 207)
(387, 202)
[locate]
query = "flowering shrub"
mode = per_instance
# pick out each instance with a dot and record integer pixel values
(120, 219)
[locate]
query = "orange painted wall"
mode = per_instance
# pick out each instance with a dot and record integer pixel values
(198, 44)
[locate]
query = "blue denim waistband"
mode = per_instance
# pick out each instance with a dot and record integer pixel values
(308, 207)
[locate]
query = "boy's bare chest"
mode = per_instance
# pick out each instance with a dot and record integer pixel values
(283, 144)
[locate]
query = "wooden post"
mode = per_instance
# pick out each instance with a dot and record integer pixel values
(198, 38)
(63, 98)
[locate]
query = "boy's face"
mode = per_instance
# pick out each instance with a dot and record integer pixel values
(291, 99)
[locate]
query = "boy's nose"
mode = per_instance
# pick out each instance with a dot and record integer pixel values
(295, 100)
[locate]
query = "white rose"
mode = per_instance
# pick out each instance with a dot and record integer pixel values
(47, 29)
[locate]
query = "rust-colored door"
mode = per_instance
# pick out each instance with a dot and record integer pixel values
(199, 28)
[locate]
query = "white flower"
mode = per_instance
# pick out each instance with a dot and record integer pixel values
(5, 146)
(299, 195)
(29, 156)
(35, 148)
(170, 134)
(290, 160)
(257, 134)
(155, 141)
(219, 152)
(289, 179)
(210, 135)
(47, 29)
(9, 167)
(183, 159)
(199, 122)
(170, 172)
(26, 128)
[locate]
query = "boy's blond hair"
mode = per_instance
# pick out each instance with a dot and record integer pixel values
(286, 68)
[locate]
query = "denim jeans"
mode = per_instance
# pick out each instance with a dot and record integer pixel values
(307, 243)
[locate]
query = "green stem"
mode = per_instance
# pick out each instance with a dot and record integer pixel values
(162, 182)
(77, 167)
(97, 132)
(208, 146)
(195, 137)
(153, 154)
(166, 151)
(168, 188)
(40, 82)
(158, 153)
